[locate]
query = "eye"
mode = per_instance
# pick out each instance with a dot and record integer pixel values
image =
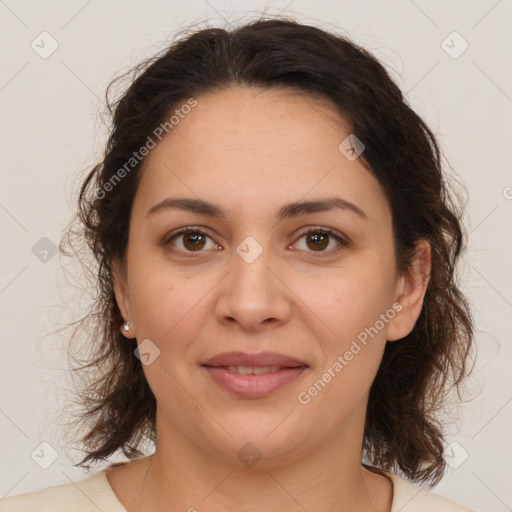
(318, 239)
(189, 240)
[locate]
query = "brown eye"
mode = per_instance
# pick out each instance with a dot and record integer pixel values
(188, 241)
(193, 241)
(319, 239)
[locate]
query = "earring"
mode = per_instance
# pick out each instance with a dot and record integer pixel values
(126, 326)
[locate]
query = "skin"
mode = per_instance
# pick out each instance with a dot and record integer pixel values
(250, 152)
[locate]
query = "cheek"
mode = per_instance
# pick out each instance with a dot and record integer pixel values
(168, 305)
(153, 293)
(352, 300)
(352, 346)
(163, 303)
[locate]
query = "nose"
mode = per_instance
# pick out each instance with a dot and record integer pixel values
(253, 296)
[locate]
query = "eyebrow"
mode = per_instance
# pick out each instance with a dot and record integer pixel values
(287, 211)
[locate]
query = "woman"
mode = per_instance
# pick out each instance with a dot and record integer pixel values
(276, 246)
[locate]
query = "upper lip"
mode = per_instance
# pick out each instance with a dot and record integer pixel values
(253, 360)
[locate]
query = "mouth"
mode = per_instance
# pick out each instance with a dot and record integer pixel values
(254, 370)
(253, 375)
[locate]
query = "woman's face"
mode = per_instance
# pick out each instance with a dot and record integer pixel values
(245, 165)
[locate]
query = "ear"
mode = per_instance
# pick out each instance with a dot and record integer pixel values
(120, 283)
(410, 292)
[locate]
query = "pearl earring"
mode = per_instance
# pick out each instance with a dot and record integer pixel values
(126, 326)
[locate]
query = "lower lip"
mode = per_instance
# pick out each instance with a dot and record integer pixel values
(254, 386)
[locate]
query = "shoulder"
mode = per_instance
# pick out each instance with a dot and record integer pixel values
(90, 494)
(408, 497)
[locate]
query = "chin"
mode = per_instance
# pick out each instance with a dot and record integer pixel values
(267, 441)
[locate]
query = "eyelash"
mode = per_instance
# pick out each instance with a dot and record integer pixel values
(313, 230)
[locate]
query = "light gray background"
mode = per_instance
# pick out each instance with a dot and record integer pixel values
(51, 131)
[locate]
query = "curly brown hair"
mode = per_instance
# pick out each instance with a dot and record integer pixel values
(403, 432)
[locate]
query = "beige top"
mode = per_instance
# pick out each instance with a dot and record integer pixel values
(94, 494)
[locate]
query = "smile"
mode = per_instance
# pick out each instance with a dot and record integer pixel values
(253, 382)
(257, 370)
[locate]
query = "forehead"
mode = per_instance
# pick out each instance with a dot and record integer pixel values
(258, 148)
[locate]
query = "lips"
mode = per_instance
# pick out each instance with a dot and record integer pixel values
(253, 375)
(253, 360)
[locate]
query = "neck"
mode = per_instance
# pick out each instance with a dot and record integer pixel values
(182, 476)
